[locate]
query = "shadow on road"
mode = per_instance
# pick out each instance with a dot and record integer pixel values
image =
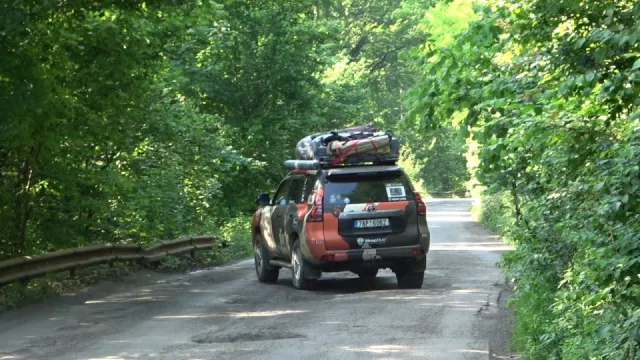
(348, 285)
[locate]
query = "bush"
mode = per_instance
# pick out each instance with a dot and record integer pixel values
(495, 212)
(237, 237)
(234, 243)
(552, 97)
(577, 261)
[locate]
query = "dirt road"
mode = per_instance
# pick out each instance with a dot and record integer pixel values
(224, 313)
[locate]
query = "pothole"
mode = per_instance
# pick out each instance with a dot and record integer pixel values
(215, 338)
(74, 327)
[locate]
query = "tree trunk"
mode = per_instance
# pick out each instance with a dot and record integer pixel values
(23, 203)
(21, 212)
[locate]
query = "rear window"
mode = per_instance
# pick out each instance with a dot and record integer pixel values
(357, 189)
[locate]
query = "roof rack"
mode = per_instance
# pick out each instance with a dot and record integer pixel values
(319, 164)
(357, 146)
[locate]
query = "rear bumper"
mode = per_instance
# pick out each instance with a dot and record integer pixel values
(363, 256)
(317, 255)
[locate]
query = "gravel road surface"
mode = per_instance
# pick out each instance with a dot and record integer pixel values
(224, 313)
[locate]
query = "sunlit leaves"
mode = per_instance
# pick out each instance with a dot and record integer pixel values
(553, 90)
(139, 121)
(96, 144)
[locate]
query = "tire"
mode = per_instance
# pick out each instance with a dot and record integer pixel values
(412, 276)
(265, 272)
(412, 280)
(368, 274)
(298, 270)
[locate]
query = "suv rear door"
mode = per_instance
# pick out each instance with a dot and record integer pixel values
(370, 209)
(295, 211)
(279, 205)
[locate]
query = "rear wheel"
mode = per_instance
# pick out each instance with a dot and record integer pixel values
(299, 270)
(411, 276)
(410, 280)
(265, 272)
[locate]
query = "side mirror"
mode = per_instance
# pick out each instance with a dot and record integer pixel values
(263, 200)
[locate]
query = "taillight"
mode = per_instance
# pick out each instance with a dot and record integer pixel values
(329, 257)
(317, 209)
(420, 205)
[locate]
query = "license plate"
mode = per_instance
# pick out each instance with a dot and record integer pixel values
(373, 223)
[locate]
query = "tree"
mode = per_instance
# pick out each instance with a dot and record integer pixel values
(139, 121)
(549, 90)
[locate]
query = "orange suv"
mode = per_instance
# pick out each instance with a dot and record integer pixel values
(354, 218)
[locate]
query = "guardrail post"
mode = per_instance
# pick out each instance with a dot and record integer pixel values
(72, 272)
(193, 254)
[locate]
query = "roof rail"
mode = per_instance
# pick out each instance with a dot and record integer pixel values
(302, 164)
(317, 165)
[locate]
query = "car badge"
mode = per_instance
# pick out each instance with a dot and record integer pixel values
(370, 208)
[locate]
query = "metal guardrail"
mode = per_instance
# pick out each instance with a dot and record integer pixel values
(29, 267)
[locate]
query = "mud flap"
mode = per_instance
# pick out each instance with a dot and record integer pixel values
(420, 265)
(416, 266)
(312, 272)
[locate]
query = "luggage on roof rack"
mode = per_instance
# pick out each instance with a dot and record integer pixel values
(357, 145)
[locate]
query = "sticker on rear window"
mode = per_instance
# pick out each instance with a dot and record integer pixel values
(396, 192)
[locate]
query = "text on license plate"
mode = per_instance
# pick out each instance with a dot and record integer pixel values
(373, 223)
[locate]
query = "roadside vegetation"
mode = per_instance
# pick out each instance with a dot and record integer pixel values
(549, 91)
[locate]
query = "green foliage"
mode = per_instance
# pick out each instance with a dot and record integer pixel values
(496, 213)
(104, 147)
(369, 79)
(234, 242)
(236, 235)
(438, 160)
(551, 90)
(135, 122)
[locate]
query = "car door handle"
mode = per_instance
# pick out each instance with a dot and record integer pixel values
(278, 214)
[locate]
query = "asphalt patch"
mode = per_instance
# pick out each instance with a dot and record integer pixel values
(215, 338)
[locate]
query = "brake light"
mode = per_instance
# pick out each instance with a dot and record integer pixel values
(317, 209)
(421, 207)
(329, 257)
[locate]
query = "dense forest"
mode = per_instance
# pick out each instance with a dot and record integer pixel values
(127, 121)
(143, 121)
